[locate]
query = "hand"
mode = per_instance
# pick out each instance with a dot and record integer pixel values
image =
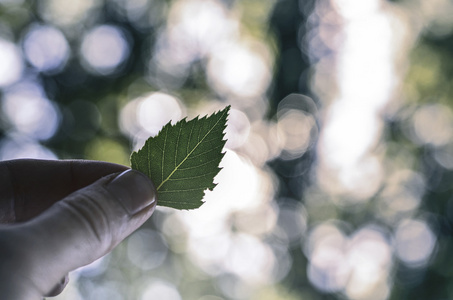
(56, 216)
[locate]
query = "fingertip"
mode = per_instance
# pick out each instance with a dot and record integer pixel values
(59, 287)
(134, 190)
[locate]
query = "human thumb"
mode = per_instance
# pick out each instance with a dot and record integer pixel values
(87, 224)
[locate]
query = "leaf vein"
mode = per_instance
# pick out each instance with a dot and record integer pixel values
(192, 177)
(183, 190)
(197, 166)
(163, 156)
(206, 152)
(190, 138)
(177, 143)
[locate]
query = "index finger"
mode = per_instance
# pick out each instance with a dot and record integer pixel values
(30, 186)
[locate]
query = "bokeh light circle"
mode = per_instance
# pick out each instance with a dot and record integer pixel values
(46, 48)
(104, 49)
(415, 242)
(11, 64)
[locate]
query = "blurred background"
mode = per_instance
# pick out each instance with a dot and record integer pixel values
(336, 180)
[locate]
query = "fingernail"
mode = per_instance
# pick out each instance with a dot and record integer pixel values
(133, 189)
(59, 287)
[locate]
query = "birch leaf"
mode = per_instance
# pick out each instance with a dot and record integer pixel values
(183, 159)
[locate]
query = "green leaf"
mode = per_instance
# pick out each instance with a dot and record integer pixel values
(183, 159)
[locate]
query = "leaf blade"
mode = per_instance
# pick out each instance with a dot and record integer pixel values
(183, 159)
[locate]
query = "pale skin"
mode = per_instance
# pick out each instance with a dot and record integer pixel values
(56, 216)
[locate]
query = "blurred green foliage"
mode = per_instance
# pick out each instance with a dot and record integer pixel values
(311, 243)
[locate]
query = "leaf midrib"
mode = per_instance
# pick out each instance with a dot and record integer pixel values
(188, 154)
